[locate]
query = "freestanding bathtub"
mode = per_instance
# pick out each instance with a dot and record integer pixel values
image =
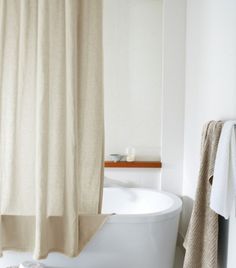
(141, 234)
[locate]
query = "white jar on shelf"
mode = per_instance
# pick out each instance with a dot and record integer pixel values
(130, 154)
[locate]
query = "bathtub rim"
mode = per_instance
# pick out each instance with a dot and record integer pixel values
(171, 212)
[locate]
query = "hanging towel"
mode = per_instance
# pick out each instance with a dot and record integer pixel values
(201, 241)
(224, 184)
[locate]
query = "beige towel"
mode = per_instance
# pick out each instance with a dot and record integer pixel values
(201, 241)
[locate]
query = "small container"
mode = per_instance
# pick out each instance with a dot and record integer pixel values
(130, 154)
(115, 157)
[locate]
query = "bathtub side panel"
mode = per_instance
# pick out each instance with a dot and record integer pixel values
(139, 245)
(116, 245)
(126, 245)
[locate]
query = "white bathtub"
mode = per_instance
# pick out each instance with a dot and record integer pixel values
(142, 234)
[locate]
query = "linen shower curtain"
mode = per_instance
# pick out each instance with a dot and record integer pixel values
(51, 124)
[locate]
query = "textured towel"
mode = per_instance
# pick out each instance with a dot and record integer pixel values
(224, 183)
(201, 241)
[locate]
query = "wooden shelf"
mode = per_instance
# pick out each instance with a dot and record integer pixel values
(136, 164)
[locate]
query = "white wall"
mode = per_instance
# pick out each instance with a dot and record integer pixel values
(132, 76)
(132, 85)
(174, 38)
(210, 75)
(210, 82)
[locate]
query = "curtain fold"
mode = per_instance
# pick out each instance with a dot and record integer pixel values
(51, 124)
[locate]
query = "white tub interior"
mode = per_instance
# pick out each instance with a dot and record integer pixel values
(135, 201)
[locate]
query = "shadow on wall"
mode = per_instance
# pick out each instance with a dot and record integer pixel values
(223, 241)
(186, 214)
(187, 206)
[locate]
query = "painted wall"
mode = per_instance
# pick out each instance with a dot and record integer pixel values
(210, 83)
(132, 85)
(132, 76)
(174, 39)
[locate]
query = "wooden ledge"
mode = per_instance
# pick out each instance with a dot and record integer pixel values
(135, 164)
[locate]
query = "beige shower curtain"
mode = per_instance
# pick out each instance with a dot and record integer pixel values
(51, 124)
